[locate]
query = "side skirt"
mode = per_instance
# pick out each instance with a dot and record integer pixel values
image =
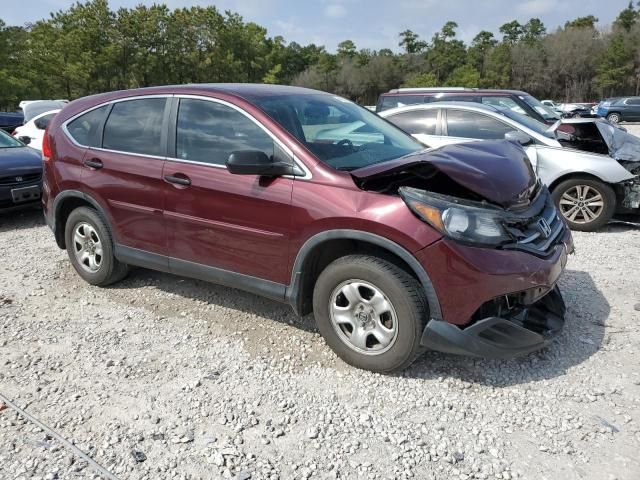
(154, 261)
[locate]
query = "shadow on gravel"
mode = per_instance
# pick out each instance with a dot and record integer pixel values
(582, 336)
(211, 293)
(20, 219)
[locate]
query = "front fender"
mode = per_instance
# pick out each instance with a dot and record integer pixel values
(554, 163)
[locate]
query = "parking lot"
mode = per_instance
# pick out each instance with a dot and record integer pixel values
(163, 377)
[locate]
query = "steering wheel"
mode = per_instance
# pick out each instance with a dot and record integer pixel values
(346, 142)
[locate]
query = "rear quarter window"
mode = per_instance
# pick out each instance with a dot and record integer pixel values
(135, 126)
(85, 128)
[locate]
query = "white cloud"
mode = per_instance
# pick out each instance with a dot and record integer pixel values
(335, 11)
(536, 7)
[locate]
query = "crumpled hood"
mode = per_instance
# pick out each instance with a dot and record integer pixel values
(622, 145)
(498, 171)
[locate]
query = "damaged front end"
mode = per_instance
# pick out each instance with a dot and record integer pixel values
(485, 200)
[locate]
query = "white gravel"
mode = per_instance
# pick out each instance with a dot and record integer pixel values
(201, 381)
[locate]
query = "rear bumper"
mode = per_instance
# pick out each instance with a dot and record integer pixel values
(522, 330)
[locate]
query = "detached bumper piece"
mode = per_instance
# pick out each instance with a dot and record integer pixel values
(524, 329)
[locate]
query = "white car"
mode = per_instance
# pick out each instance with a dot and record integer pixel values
(32, 132)
(591, 167)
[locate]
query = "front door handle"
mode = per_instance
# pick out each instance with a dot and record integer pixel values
(185, 181)
(93, 163)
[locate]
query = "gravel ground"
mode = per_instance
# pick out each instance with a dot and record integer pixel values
(161, 377)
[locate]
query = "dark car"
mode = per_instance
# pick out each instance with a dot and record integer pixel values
(20, 173)
(9, 121)
(515, 100)
(622, 109)
(394, 249)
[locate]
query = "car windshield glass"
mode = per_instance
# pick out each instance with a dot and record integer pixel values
(531, 123)
(543, 110)
(7, 141)
(342, 134)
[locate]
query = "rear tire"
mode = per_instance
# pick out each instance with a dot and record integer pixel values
(614, 117)
(90, 248)
(585, 204)
(371, 312)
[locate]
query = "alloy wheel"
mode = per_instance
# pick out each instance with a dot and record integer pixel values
(363, 317)
(581, 204)
(87, 247)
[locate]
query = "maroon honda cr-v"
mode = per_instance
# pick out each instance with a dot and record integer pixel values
(309, 199)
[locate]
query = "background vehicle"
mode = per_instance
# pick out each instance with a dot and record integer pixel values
(572, 157)
(32, 132)
(20, 173)
(520, 102)
(10, 120)
(622, 109)
(33, 108)
(382, 241)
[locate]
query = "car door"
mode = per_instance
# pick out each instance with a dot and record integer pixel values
(467, 126)
(423, 124)
(632, 111)
(219, 222)
(124, 174)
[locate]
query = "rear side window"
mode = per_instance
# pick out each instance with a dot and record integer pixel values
(135, 126)
(393, 101)
(209, 132)
(417, 121)
(633, 101)
(42, 122)
(502, 103)
(475, 125)
(85, 129)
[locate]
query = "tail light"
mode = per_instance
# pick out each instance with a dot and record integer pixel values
(46, 145)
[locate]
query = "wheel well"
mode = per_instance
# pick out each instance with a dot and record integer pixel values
(67, 206)
(570, 176)
(326, 252)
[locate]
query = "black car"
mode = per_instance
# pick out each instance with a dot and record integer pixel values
(20, 173)
(10, 120)
(622, 109)
(515, 100)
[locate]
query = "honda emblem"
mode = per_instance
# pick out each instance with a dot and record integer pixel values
(19, 179)
(544, 228)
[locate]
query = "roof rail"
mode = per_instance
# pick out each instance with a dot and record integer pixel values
(429, 89)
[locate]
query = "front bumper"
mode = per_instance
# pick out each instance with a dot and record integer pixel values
(523, 330)
(8, 202)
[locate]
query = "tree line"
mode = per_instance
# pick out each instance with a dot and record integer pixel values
(88, 48)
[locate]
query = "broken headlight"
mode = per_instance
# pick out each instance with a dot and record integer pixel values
(465, 221)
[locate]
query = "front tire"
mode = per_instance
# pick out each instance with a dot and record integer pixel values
(371, 312)
(90, 248)
(614, 118)
(585, 204)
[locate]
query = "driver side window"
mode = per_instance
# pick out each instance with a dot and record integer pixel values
(209, 132)
(465, 124)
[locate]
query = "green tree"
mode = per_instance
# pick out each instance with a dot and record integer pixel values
(582, 22)
(410, 42)
(481, 45)
(615, 67)
(464, 76)
(533, 31)
(446, 52)
(346, 48)
(426, 79)
(511, 32)
(627, 18)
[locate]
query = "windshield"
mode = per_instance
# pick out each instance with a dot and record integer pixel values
(529, 122)
(541, 109)
(7, 141)
(340, 133)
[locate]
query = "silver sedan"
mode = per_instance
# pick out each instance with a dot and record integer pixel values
(591, 167)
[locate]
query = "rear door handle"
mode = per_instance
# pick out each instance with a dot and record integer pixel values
(186, 181)
(93, 163)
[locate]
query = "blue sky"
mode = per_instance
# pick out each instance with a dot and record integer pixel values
(369, 23)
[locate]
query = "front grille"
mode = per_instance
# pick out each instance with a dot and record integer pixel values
(17, 180)
(541, 231)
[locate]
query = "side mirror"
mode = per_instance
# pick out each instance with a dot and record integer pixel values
(255, 162)
(518, 137)
(25, 140)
